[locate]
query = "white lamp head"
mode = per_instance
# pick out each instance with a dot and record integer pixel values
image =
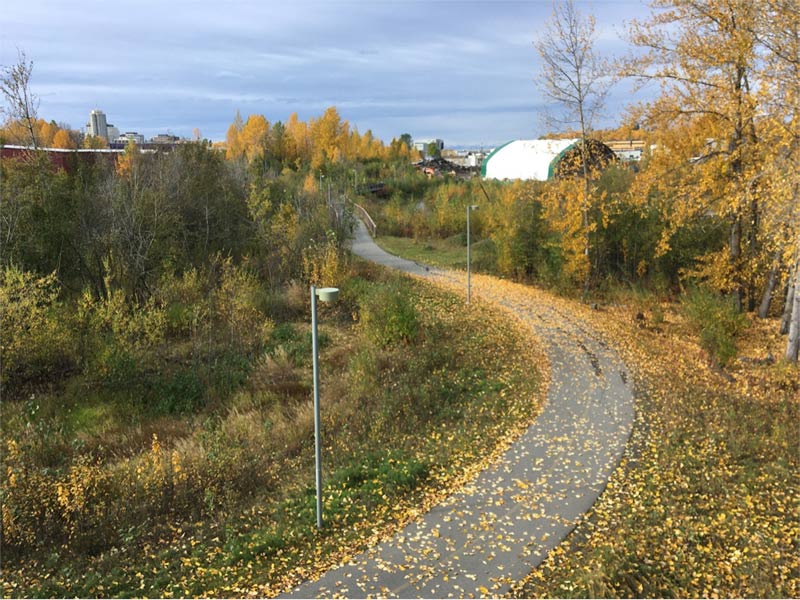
(328, 294)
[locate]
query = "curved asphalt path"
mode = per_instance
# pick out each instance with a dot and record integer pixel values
(494, 531)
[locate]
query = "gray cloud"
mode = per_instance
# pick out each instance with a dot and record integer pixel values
(463, 71)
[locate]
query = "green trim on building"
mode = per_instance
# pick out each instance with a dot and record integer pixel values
(552, 167)
(491, 154)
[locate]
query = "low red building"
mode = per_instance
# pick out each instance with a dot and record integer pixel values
(61, 158)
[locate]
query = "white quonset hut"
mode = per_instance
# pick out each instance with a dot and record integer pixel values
(526, 159)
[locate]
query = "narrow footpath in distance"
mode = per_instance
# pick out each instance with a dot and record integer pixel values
(498, 528)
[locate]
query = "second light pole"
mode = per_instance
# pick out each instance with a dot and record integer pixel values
(470, 208)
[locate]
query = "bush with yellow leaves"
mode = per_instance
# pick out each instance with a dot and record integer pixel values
(237, 302)
(323, 263)
(36, 339)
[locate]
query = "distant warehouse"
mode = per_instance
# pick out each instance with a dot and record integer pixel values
(541, 160)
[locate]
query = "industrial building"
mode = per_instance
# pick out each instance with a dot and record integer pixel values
(524, 159)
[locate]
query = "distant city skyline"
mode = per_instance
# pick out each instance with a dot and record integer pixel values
(463, 72)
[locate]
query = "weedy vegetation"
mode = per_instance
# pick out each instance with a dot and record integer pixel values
(180, 460)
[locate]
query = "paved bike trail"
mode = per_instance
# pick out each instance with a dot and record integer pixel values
(495, 530)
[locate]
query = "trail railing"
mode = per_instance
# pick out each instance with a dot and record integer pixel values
(362, 212)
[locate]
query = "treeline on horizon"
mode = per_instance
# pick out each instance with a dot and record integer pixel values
(326, 137)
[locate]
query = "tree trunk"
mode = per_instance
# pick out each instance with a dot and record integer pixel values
(735, 254)
(772, 280)
(587, 242)
(753, 245)
(787, 308)
(793, 344)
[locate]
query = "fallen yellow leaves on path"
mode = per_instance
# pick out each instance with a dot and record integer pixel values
(705, 501)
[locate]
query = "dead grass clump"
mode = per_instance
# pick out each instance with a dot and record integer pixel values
(277, 373)
(290, 425)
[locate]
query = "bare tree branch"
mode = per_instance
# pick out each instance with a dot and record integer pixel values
(20, 103)
(572, 74)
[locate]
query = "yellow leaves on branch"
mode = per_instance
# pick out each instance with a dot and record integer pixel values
(328, 134)
(323, 263)
(129, 161)
(311, 185)
(566, 204)
(723, 147)
(62, 139)
(31, 338)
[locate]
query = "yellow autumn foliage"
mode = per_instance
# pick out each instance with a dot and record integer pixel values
(565, 205)
(33, 339)
(323, 263)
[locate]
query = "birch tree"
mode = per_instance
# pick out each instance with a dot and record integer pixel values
(777, 30)
(21, 104)
(709, 160)
(726, 133)
(792, 311)
(577, 80)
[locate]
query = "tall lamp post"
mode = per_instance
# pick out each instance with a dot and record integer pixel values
(329, 294)
(470, 208)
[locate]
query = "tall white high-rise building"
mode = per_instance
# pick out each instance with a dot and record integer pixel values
(97, 125)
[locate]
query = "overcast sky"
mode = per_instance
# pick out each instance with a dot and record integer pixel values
(464, 71)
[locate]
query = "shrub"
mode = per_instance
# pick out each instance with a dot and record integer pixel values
(120, 340)
(237, 303)
(323, 263)
(135, 329)
(116, 367)
(287, 302)
(716, 321)
(35, 338)
(89, 506)
(388, 315)
(185, 299)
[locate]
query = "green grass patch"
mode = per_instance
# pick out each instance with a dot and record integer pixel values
(450, 253)
(91, 419)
